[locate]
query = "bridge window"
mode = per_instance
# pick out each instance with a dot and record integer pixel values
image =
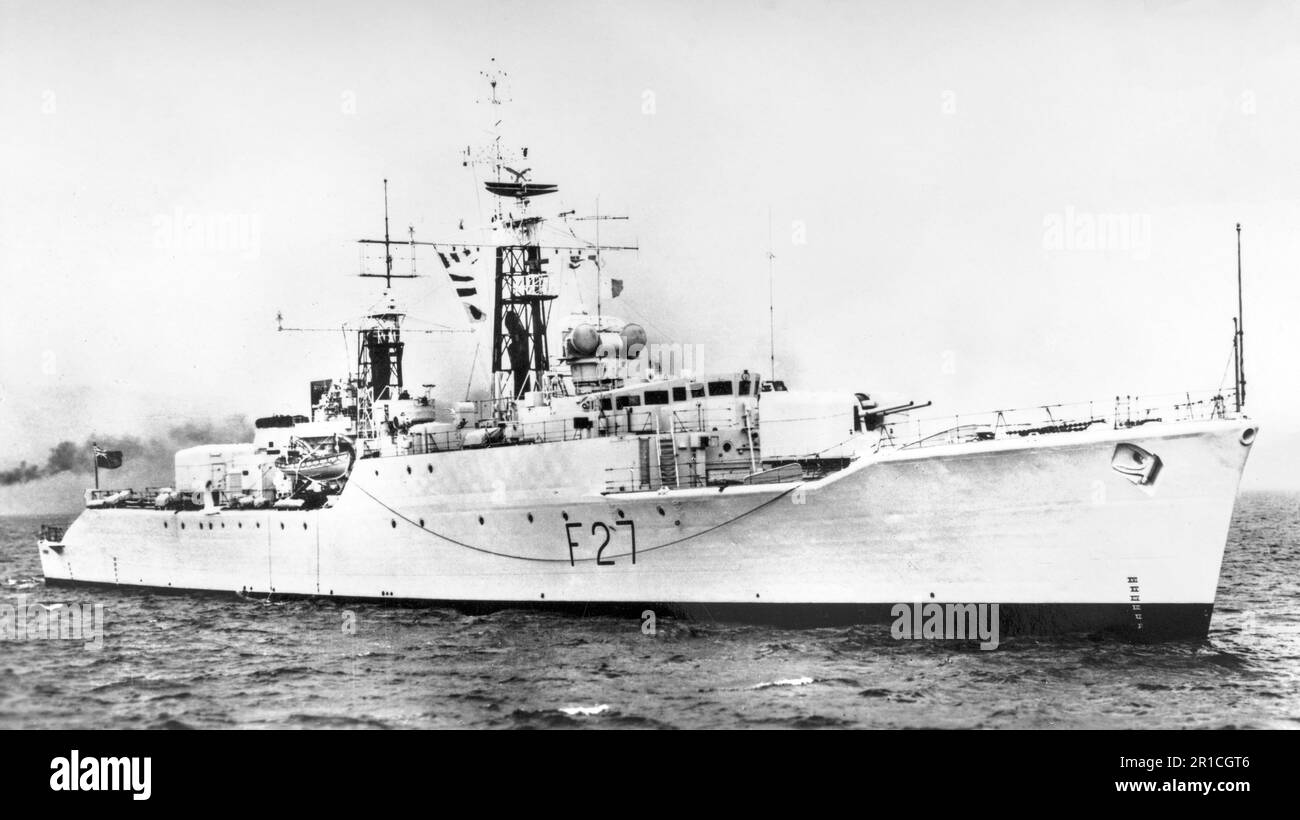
(628, 401)
(679, 394)
(606, 404)
(697, 391)
(744, 387)
(720, 388)
(656, 397)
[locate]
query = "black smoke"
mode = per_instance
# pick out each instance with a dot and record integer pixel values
(65, 456)
(22, 473)
(150, 457)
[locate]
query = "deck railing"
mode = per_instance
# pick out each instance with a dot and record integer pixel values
(51, 533)
(1119, 413)
(650, 476)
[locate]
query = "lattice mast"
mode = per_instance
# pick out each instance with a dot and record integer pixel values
(522, 295)
(380, 348)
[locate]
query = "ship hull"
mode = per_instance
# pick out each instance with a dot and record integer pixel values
(1164, 622)
(1048, 528)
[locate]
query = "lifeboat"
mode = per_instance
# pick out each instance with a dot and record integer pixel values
(328, 460)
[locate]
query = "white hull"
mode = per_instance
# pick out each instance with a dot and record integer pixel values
(1042, 525)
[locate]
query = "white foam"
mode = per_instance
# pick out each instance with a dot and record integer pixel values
(787, 682)
(585, 710)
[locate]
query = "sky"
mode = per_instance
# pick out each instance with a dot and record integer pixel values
(928, 176)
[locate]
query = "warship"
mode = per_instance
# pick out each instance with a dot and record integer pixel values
(598, 477)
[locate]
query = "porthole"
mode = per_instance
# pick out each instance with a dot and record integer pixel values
(376, 474)
(304, 525)
(726, 446)
(408, 469)
(620, 513)
(209, 525)
(259, 525)
(394, 523)
(241, 525)
(661, 511)
(182, 525)
(431, 468)
(281, 525)
(565, 516)
(422, 523)
(164, 525)
(480, 520)
(530, 518)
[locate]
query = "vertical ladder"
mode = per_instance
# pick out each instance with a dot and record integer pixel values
(749, 436)
(667, 456)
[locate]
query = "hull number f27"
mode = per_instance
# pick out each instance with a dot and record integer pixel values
(599, 539)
